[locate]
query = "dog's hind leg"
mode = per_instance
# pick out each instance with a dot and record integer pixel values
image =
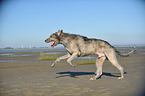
(73, 56)
(112, 58)
(60, 58)
(99, 63)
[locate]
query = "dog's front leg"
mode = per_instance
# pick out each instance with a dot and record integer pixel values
(73, 56)
(60, 58)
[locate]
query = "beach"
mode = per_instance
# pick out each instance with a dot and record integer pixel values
(22, 74)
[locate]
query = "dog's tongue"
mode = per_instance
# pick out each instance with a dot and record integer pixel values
(51, 43)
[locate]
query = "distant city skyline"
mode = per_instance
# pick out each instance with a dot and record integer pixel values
(29, 22)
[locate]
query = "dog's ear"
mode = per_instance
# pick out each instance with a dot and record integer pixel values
(59, 32)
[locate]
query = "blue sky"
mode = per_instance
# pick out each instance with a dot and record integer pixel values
(30, 22)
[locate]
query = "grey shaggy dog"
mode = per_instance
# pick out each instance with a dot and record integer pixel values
(79, 46)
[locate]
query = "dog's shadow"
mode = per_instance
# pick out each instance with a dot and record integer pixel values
(75, 74)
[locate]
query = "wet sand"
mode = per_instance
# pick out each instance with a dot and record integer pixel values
(36, 78)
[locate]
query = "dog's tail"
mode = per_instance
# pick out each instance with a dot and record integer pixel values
(125, 54)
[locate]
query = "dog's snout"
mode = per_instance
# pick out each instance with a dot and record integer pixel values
(46, 40)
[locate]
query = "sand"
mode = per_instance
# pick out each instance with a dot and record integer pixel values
(36, 78)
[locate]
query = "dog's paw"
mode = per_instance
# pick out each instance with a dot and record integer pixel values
(95, 78)
(92, 79)
(120, 78)
(52, 65)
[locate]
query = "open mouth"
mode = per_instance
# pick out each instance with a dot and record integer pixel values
(52, 44)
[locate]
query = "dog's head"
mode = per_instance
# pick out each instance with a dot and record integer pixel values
(54, 38)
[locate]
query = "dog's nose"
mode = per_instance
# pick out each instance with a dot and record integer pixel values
(45, 40)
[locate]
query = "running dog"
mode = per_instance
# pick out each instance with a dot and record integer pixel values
(79, 46)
